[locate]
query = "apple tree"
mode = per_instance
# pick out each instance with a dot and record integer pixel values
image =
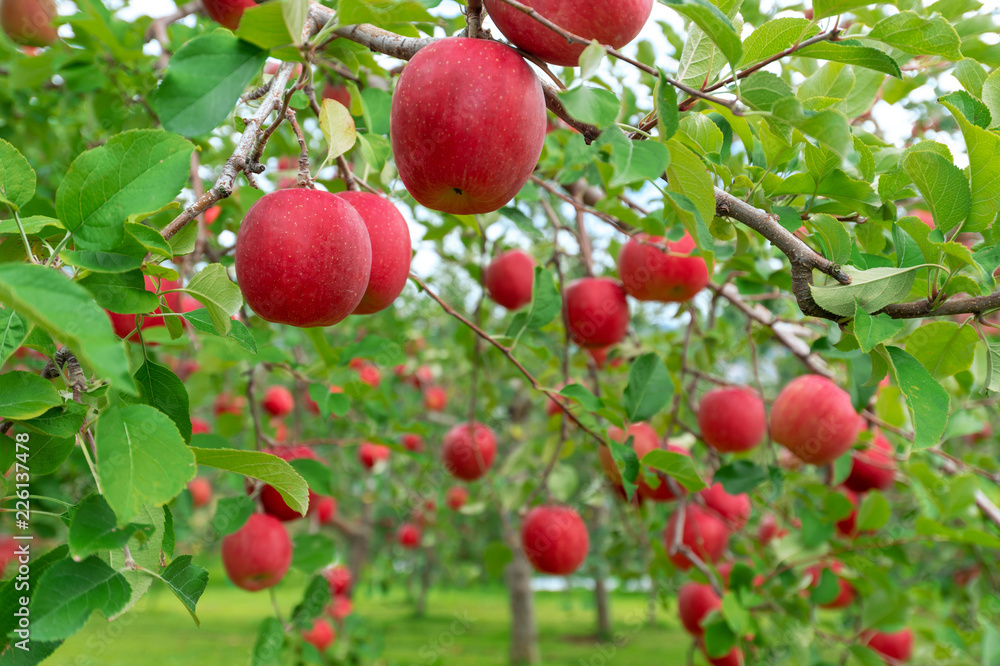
(696, 294)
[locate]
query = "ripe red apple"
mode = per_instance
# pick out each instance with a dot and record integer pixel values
(925, 217)
(814, 419)
(338, 93)
(408, 536)
(29, 21)
(456, 497)
(768, 530)
(325, 509)
(644, 440)
(258, 555)
(873, 467)
(599, 354)
(212, 214)
(897, 646)
(435, 398)
(733, 658)
(413, 443)
(846, 594)
(732, 419)
(201, 491)
(595, 311)
(200, 426)
(469, 450)
(466, 144)
(270, 499)
(8, 552)
(555, 539)
(704, 533)
(227, 12)
(370, 454)
(847, 527)
(340, 608)
(610, 22)
(124, 324)
(391, 250)
(320, 636)
(733, 509)
(303, 258)
(367, 373)
(278, 401)
(422, 376)
(509, 279)
(650, 274)
(339, 578)
(229, 404)
(694, 602)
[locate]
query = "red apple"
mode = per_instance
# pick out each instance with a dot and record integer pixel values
(644, 440)
(325, 509)
(694, 602)
(435, 398)
(408, 536)
(509, 279)
(339, 578)
(391, 250)
(732, 419)
(925, 217)
(846, 594)
(733, 509)
(847, 527)
(599, 354)
(610, 22)
(278, 401)
(595, 311)
(303, 257)
(200, 426)
(201, 491)
(466, 144)
(873, 467)
(733, 658)
(211, 215)
(413, 443)
(340, 608)
(370, 454)
(456, 497)
(258, 555)
(227, 12)
(555, 539)
(320, 636)
(704, 533)
(367, 373)
(422, 376)
(768, 529)
(229, 404)
(29, 21)
(897, 646)
(8, 552)
(270, 499)
(469, 450)
(124, 324)
(814, 419)
(338, 93)
(650, 274)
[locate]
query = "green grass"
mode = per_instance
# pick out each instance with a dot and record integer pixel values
(159, 632)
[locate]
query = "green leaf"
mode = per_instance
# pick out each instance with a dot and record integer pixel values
(24, 395)
(329, 402)
(595, 106)
(204, 80)
(628, 462)
(159, 387)
(667, 115)
(871, 331)
(687, 175)
(13, 333)
(263, 26)
(46, 453)
(740, 476)
(317, 475)
(675, 465)
(522, 221)
(17, 178)
(824, 8)
(231, 513)
(220, 295)
(649, 388)
(545, 305)
(312, 552)
(853, 52)
(928, 401)
(827, 589)
(64, 421)
(382, 12)
(971, 108)
(911, 33)
(775, 36)
(101, 261)
(984, 169)
(337, 126)
(828, 127)
(239, 333)
(10, 596)
(141, 459)
(764, 90)
(943, 347)
(714, 23)
(874, 512)
(187, 581)
(582, 395)
(94, 528)
(591, 58)
(63, 309)
(972, 77)
(265, 467)
(943, 185)
(150, 238)
(134, 172)
(838, 241)
(68, 592)
(990, 90)
(383, 351)
(992, 366)
(885, 608)
(496, 557)
(124, 293)
(870, 289)
(270, 642)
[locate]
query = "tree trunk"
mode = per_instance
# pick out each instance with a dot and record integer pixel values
(603, 606)
(425, 582)
(523, 630)
(359, 542)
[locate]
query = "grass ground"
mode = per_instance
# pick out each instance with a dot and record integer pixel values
(159, 631)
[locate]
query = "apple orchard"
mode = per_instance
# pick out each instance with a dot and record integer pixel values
(695, 300)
